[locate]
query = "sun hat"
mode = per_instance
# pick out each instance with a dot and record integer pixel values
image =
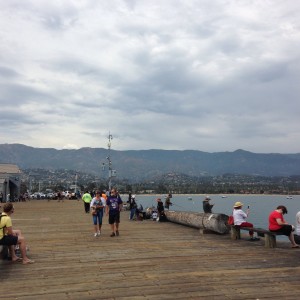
(238, 204)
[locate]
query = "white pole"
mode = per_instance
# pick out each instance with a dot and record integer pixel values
(75, 183)
(110, 137)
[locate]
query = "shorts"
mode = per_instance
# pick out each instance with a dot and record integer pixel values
(114, 218)
(9, 240)
(284, 230)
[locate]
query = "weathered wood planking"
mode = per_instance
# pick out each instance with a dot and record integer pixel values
(149, 260)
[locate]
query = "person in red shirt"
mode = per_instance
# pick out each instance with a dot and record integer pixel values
(279, 225)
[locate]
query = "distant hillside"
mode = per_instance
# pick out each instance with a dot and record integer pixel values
(142, 164)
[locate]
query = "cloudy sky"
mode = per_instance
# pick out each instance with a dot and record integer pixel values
(209, 75)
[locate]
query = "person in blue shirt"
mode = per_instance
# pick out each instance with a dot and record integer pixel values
(113, 208)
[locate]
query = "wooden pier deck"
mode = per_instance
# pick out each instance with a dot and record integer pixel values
(149, 260)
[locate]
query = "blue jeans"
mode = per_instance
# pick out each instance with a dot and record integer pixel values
(132, 213)
(98, 217)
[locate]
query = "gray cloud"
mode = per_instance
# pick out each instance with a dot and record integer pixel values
(204, 75)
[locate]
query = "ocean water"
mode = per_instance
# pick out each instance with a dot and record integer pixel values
(260, 205)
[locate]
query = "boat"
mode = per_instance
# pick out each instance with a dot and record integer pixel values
(190, 198)
(223, 196)
(289, 197)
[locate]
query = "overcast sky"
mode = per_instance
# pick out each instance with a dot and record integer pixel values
(209, 75)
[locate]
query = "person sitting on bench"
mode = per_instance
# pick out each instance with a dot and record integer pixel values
(10, 237)
(240, 217)
(279, 225)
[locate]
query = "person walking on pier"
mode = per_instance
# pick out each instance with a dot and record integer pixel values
(87, 198)
(240, 217)
(279, 225)
(96, 206)
(113, 209)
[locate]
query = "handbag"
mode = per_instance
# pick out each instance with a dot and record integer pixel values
(230, 220)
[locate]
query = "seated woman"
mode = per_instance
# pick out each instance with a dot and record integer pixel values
(240, 217)
(279, 225)
(140, 213)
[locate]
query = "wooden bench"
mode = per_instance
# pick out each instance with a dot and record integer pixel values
(270, 237)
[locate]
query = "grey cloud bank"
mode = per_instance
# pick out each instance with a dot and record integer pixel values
(203, 75)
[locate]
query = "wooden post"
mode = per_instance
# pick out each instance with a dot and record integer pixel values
(270, 240)
(235, 233)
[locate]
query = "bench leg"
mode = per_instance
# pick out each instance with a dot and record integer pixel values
(270, 241)
(3, 252)
(235, 233)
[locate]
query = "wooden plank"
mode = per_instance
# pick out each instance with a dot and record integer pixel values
(149, 260)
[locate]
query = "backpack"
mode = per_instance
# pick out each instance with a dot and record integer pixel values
(230, 220)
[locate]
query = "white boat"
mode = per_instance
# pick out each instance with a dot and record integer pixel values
(190, 198)
(223, 196)
(289, 197)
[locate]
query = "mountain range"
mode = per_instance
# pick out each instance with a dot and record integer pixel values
(142, 164)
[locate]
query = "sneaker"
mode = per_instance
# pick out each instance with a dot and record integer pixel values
(95, 234)
(113, 234)
(117, 233)
(98, 233)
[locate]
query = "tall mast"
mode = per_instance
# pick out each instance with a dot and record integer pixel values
(110, 137)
